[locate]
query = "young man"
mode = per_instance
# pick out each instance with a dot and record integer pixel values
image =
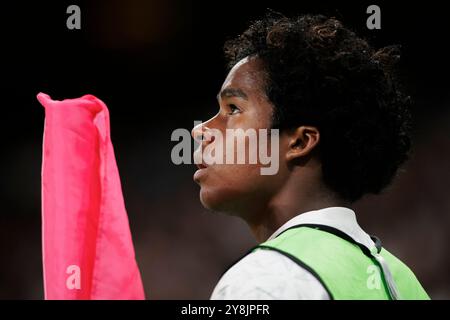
(343, 132)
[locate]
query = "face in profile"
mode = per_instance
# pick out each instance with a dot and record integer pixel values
(237, 188)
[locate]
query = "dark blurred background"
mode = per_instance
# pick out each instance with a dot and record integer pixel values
(158, 65)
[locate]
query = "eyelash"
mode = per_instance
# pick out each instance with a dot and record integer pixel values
(234, 109)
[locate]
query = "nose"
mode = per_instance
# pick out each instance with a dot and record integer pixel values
(197, 133)
(202, 133)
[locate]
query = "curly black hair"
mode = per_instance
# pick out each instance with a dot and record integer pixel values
(320, 73)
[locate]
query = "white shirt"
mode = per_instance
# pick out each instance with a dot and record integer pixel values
(267, 274)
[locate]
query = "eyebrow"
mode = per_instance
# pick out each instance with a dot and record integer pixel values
(232, 92)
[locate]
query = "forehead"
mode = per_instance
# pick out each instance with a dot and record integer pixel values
(247, 75)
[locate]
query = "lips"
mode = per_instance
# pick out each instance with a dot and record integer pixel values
(202, 166)
(200, 172)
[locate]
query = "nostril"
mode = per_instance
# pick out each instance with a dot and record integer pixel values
(207, 135)
(202, 134)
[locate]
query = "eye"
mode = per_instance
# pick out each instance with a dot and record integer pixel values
(233, 109)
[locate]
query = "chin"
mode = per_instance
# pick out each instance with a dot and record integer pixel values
(215, 201)
(208, 200)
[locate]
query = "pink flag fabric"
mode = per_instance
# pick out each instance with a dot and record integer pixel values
(87, 247)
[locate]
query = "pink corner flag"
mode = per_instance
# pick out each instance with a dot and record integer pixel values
(86, 241)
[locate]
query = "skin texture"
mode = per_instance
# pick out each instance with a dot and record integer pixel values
(265, 202)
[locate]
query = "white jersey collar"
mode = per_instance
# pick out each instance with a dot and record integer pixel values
(340, 218)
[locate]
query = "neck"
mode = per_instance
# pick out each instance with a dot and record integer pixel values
(288, 203)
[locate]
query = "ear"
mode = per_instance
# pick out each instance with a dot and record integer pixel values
(302, 141)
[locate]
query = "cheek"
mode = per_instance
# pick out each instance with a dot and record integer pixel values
(236, 187)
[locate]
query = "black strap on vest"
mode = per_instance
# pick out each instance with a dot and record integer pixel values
(340, 234)
(288, 255)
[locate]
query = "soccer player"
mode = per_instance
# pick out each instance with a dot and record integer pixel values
(343, 133)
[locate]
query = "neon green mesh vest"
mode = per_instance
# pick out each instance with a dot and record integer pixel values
(347, 269)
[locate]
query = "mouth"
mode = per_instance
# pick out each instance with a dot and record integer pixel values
(202, 166)
(200, 172)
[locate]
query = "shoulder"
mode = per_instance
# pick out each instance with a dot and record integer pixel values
(267, 274)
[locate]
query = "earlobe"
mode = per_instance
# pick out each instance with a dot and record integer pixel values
(303, 140)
